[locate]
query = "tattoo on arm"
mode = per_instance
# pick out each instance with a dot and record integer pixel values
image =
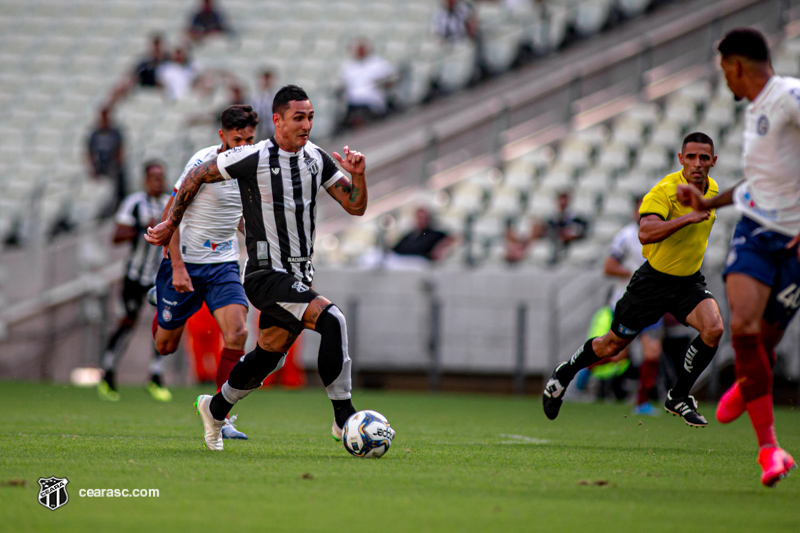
(349, 189)
(207, 172)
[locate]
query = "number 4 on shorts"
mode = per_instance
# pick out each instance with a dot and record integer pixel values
(790, 296)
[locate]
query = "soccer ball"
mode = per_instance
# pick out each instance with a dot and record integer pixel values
(367, 434)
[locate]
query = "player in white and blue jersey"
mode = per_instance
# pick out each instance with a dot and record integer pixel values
(203, 259)
(762, 275)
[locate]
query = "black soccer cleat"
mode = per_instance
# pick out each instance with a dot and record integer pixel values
(553, 395)
(685, 408)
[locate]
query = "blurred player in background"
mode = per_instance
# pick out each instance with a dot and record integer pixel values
(624, 258)
(138, 211)
(763, 271)
(203, 259)
(675, 238)
(279, 179)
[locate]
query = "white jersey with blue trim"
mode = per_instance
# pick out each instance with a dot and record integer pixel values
(208, 228)
(770, 194)
(627, 251)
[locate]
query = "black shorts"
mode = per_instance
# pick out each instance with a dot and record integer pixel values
(281, 298)
(133, 297)
(651, 294)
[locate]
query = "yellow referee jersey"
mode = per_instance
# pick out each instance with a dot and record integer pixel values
(680, 254)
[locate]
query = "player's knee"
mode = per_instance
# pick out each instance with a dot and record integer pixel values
(713, 333)
(331, 321)
(166, 346)
(236, 337)
(744, 325)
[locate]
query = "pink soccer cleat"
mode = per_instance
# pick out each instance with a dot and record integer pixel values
(731, 406)
(775, 465)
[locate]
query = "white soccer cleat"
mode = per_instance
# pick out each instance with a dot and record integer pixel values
(212, 426)
(336, 432)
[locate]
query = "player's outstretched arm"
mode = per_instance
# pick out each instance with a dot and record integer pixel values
(351, 193)
(207, 172)
(689, 196)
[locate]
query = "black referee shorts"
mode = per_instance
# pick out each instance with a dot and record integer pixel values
(281, 298)
(652, 294)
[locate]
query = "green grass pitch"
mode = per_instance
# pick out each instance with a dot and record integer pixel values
(458, 463)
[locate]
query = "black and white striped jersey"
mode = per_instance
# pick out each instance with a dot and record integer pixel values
(139, 210)
(279, 202)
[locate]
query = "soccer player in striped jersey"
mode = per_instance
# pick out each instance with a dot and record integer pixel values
(675, 238)
(762, 276)
(138, 211)
(279, 180)
(203, 260)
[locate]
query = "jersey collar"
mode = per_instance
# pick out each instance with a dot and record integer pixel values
(764, 92)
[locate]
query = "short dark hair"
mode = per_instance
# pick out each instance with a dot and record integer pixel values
(697, 137)
(745, 42)
(150, 163)
(237, 117)
(285, 95)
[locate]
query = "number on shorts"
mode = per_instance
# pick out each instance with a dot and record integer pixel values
(790, 296)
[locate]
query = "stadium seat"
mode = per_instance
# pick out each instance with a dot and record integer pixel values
(595, 180)
(590, 16)
(457, 66)
(506, 201)
(615, 157)
(558, 178)
(667, 134)
(632, 8)
(501, 47)
(575, 152)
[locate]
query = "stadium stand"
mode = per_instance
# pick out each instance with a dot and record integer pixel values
(60, 61)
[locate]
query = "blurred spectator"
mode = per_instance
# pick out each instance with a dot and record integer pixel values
(424, 240)
(145, 72)
(208, 21)
(366, 78)
(455, 20)
(562, 228)
(262, 104)
(105, 153)
(178, 75)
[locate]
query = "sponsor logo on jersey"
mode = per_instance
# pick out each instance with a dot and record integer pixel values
(166, 314)
(53, 492)
(299, 286)
(301, 259)
(275, 170)
(763, 125)
(218, 247)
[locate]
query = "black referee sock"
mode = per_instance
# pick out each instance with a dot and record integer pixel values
(583, 358)
(697, 358)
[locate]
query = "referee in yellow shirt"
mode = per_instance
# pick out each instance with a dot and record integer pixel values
(675, 239)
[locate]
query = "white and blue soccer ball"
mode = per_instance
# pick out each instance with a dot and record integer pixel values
(367, 434)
